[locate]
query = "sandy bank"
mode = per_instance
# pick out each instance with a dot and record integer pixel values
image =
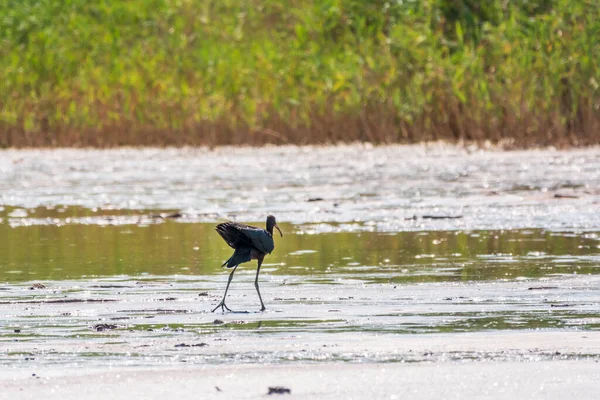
(531, 380)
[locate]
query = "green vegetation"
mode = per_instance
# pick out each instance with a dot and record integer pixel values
(175, 72)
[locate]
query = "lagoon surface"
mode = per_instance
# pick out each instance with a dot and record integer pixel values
(392, 254)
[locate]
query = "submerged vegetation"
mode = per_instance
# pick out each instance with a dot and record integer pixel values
(175, 72)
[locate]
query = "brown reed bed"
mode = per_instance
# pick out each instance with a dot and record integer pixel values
(449, 121)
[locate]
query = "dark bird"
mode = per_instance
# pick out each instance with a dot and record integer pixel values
(249, 243)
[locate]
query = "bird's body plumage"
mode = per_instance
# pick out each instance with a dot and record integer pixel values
(249, 243)
(239, 236)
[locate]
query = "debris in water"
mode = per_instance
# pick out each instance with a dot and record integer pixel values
(279, 390)
(109, 286)
(441, 216)
(173, 215)
(218, 322)
(414, 217)
(103, 327)
(37, 286)
(191, 345)
(149, 283)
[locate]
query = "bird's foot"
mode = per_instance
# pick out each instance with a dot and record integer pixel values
(262, 308)
(223, 307)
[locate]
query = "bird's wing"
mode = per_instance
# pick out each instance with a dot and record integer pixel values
(237, 235)
(261, 239)
(231, 232)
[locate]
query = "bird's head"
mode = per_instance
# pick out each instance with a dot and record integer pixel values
(272, 223)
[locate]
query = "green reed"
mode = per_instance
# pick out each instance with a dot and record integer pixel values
(176, 72)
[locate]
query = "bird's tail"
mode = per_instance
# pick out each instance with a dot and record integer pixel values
(240, 255)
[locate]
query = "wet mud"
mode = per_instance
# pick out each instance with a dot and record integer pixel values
(416, 254)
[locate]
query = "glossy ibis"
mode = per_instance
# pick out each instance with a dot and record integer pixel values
(249, 243)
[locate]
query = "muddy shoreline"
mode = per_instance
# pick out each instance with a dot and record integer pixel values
(532, 380)
(325, 189)
(427, 271)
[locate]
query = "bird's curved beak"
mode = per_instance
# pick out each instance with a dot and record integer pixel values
(276, 227)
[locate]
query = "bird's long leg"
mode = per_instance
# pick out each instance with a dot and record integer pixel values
(260, 260)
(222, 303)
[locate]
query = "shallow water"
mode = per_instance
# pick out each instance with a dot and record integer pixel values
(123, 245)
(82, 251)
(142, 295)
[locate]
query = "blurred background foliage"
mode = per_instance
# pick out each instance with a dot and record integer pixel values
(177, 72)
